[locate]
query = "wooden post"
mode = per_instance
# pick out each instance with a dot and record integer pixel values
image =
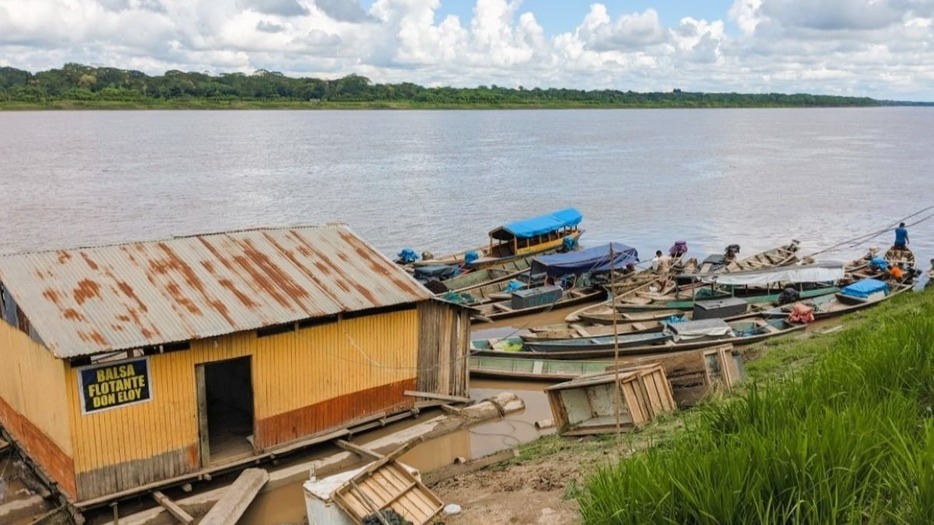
(616, 390)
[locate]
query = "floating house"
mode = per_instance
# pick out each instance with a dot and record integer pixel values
(134, 366)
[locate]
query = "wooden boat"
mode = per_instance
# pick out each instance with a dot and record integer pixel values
(495, 273)
(905, 258)
(518, 305)
(576, 330)
(739, 333)
(597, 343)
(575, 269)
(533, 369)
(779, 256)
(692, 374)
(652, 289)
(930, 282)
(647, 304)
(518, 239)
(601, 404)
(829, 306)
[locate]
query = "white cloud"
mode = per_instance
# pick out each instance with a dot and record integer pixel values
(628, 32)
(882, 48)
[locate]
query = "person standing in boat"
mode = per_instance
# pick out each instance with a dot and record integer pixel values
(901, 237)
(661, 263)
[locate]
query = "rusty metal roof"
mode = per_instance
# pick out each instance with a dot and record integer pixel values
(89, 300)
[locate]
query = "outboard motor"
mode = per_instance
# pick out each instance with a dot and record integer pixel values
(427, 256)
(788, 296)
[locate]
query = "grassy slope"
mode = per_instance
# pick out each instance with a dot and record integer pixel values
(833, 429)
(774, 362)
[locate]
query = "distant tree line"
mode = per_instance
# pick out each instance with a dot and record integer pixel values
(80, 85)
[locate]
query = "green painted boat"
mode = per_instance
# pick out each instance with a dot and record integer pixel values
(533, 369)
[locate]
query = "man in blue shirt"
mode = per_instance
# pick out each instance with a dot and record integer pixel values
(901, 237)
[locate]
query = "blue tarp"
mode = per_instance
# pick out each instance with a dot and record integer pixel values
(865, 288)
(591, 260)
(527, 228)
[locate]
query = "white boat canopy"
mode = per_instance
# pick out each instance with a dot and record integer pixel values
(804, 273)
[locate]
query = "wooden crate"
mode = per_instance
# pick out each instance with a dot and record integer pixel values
(588, 405)
(694, 374)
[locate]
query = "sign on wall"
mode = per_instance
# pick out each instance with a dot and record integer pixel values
(111, 385)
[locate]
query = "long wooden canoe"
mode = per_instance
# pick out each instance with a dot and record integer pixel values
(503, 309)
(830, 306)
(748, 331)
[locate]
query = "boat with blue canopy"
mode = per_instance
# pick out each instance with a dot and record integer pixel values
(558, 230)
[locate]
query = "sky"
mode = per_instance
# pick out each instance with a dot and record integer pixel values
(878, 48)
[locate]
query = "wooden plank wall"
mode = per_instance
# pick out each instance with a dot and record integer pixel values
(305, 382)
(33, 404)
(443, 349)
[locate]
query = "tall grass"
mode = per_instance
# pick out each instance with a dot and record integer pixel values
(847, 440)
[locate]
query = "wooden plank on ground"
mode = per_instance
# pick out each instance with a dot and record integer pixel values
(459, 469)
(238, 497)
(172, 508)
(357, 449)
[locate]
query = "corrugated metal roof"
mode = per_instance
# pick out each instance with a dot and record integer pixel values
(89, 300)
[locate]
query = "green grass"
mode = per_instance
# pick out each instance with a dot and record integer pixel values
(848, 438)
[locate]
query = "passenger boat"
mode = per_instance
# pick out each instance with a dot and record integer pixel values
(689, 335)
(516, 240)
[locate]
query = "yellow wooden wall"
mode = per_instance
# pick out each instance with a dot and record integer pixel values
(129, 446)
(33, 403)
(32, 382)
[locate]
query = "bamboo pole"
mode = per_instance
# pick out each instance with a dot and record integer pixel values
(616, 400)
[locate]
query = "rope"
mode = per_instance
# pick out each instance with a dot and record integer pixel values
(856, 241)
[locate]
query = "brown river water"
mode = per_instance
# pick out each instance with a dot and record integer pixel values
(440, 180)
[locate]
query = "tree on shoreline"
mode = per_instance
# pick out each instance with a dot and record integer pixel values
(105, 85)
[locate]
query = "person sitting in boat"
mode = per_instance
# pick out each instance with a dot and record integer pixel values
(730, 254)
(901, 237)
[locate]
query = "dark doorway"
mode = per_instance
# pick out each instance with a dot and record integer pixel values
(225, 410)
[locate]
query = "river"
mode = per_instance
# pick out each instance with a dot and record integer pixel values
(440, 180)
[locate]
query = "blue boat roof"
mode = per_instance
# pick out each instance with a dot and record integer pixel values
(865, 288)
(591, 260)
(524, 229)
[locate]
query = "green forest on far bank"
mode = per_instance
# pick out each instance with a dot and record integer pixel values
(80, 86)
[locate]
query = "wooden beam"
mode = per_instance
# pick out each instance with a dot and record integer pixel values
(357, 449)
(432, 395)
(234, 503)
(459, 469)
(172, 508)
